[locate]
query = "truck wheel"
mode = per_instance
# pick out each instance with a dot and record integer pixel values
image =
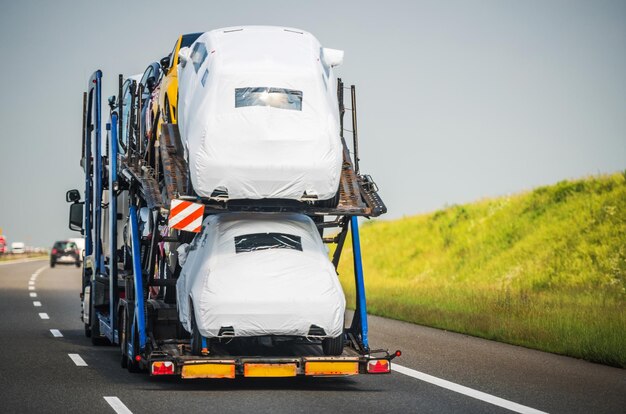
(52, 263)
(196, 338)
(133, 366)
(96, 339)
(333, 346)
(87, 330)
(122, 336)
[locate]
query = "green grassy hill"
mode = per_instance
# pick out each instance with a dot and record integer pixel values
(544, 269)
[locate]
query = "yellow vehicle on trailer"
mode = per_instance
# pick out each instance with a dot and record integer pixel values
(168, 94)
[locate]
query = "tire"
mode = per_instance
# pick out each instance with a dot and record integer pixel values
(77, 264)
(333, 346)
(131, 365)
(52, 263)
(122, 335)
(196, 338)
(87, 326)
(96, 339)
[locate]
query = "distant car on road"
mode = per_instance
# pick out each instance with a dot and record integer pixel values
(3, 244)
(18, 248)
(65, 252)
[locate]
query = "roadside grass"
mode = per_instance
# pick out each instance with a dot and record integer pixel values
(12, 257)
(545, 269)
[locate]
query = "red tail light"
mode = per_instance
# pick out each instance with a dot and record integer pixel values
(162, 368)
(378, 366)
(54, 251)
(76, 251)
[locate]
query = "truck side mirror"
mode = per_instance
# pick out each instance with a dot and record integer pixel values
(72, 196)
(76, 217)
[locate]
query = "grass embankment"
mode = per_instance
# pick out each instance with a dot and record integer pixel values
(544, 269)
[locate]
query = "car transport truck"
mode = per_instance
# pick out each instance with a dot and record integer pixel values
(173, 274)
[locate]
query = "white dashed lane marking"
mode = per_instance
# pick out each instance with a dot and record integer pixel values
(77, 360)
(56, 333)
(33, 295)
(31, 288)
(44, 315)
(117, 405)
(37, 304)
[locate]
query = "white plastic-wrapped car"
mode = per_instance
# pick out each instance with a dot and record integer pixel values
(251, 275)
(258, 114)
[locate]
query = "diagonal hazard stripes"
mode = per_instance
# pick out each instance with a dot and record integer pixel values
(185, 215)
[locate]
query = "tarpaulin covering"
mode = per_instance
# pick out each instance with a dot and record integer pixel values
(261, 274)
(258, 114)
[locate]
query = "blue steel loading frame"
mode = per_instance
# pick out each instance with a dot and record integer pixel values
(94, 176)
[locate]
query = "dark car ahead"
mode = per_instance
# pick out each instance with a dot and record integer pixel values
(65, 252)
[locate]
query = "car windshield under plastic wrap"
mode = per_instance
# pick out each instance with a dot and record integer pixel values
(265, 96)
(264, 241)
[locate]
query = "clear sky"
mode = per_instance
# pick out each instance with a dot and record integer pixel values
(457, 100)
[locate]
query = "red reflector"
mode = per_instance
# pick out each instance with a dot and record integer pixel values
(162, 368)
(137, 358)
(378, 366)
(398, 353)
(54, 251)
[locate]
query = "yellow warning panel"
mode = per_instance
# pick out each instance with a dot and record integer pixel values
(331, 368)
(208, 371)
(269, 370)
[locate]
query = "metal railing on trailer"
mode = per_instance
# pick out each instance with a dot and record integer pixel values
(125, 316)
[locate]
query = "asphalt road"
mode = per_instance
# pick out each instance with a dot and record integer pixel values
(439, 372)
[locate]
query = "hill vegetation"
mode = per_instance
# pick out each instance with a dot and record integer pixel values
(545, 269)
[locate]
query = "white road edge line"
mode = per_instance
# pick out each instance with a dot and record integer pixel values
(33, 295)
(479, 395)
(36, 304)
(44, 316)
(10, 262)
(117, 405)
(77, 360)
(56, 333)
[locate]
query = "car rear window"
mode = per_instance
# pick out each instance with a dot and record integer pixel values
(264, 241)
(64, 245)
(266, 96)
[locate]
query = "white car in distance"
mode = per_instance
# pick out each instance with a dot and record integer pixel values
(18, 248)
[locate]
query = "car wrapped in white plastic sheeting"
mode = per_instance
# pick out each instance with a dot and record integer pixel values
(258, 114)
(250, 275)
